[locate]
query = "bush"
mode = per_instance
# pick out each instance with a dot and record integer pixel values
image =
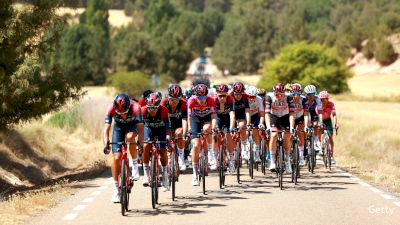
(131, 83)
(128, 8)
(307, 64)
(368, 49)
(385, 53)
(70, 119)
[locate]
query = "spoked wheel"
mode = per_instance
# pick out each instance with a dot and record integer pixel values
(263, 157)
(221, 168)
(237, 158)
(280, 167)
(173, 174)
(203, 173)
(295, 169)
(154, 184)
(124, 194)
(329, 155)
(251, 162)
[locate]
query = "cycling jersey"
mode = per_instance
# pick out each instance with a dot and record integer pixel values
(156, 126)
(257, 106)
(223, 117)
(277, 107)
(176, 116)
(300, 107)
(328, 111)
(241, 106)
(314, 108)
(198, 110)
(142, 102)
(121, 127)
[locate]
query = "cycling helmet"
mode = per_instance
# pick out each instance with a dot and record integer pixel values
(251, 91)
(310, 89)
(323, 95)
(122, 102)
(153, 100)
(174, 91)
(147, 93)
(288, 86)
(296, 88)
(238, 87)
(261, 91)
(222, 88)
(201, 90)
(279, 88)
(188, 93)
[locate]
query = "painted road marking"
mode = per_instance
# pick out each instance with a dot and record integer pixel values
(80, 207)
(102, 187)
(346, 174)
(375, 190)
(364, 184)
(354, 178)
(87, 200)
(70, 216)
(96, 193)
(385, 196)
(397, 203)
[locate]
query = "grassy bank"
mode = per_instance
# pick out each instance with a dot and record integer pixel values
(368, 143)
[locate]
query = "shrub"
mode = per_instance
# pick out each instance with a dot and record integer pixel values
(385, 53)
(131, 83)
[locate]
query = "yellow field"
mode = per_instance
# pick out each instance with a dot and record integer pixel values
(375, 85)
(368, 143)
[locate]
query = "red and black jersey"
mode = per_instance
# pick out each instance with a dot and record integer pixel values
(180, 111)
(160, 120)
(134, 114)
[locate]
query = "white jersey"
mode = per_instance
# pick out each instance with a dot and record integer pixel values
(276, 107)
(300, 107)
(257, 106)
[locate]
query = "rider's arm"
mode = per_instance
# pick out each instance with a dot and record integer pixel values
(212, 104)
(268, 102)
(319, 110)
(189, 113)
(108, 120)
(261, 109)
(291, 112)
(184, 112)
(306, 113)
(334, 116)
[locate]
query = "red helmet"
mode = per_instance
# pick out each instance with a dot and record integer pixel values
(323, 94)
(238, 87)
(153, 100)
(222, 88)
(201, 90)
(296, 88)
(174, 91)
(122, 102)
(279, 88)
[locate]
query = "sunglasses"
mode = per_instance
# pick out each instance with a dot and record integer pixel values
(221, 96)
(173, 99)
(202, 98)
(237, 94)
(152, 108)
(296, 94)
(311, 94)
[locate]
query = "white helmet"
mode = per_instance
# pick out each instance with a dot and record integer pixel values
(251, 91)
(310, 89)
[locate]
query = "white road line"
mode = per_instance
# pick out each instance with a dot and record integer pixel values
(79, 207)
(375, 190)
(70, 216)
(346, 174)
(354, 178)
(386, 196)
(397, 203)
(102, 187)
(96, 193)
(362, 183)
(87, 200)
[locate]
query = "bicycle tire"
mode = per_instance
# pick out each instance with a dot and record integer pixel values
(123, 198)
(238, 163)
(263, 156)
(173, 173)
(312, 155)
(251, 161)
(329, 155)
(203, 172)
(296, 162)
(221, 167)
(280, 168)
(153, 182)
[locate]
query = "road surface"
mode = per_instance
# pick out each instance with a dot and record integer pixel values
(325, 197)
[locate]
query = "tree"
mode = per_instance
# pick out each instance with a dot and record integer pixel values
(28, 88)
(307, 64)
(385, 53)
(132, 83)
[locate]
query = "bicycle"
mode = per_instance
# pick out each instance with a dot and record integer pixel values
(173, 169)
(203, 156)
(295, 158)
(154, 179)
(125, 183)
(263, 141)
(251, 163)
(221, 139)
(237, 154)
(326, 148)
(280, 167)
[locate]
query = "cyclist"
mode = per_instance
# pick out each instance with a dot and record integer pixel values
(225, 108)
(128, 124)
(156, 124)
(188, 94)
(315, 108)
(242, 114)
(177, 109)
(142, 100)
(257, 118)
(301, 117)
(328, 109)
(279, 116)
(202, 116)
(288, 88)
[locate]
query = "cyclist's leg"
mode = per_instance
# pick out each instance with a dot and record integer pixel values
(301, 138)
(130, 137)
(196, 128)
(162, 136)
(272, 141)
(329, 128)
(255, 121)
(285, 126)
(181, 148)
(148, 136)
(243, 138)
(117, 136)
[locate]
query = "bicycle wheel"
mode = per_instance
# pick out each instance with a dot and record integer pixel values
(123, 198)
(251, 161)
(329, 155)
(263, 155)
(324, 149)
(238, 163)
(221, 167)
(153, 183)
(173, 173)
(296, 157)
(312, 155)
(280, 167)
(203, 172)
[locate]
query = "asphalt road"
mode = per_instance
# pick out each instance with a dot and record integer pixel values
(325, 197)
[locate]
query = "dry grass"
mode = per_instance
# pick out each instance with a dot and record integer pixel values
(368, 143)
(375, 85)
(19, 207)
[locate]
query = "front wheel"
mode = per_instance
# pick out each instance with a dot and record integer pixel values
(203, 172)
(237, 158)
(173, 174)
(124, 198)
(221, 167)
(154, 184)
